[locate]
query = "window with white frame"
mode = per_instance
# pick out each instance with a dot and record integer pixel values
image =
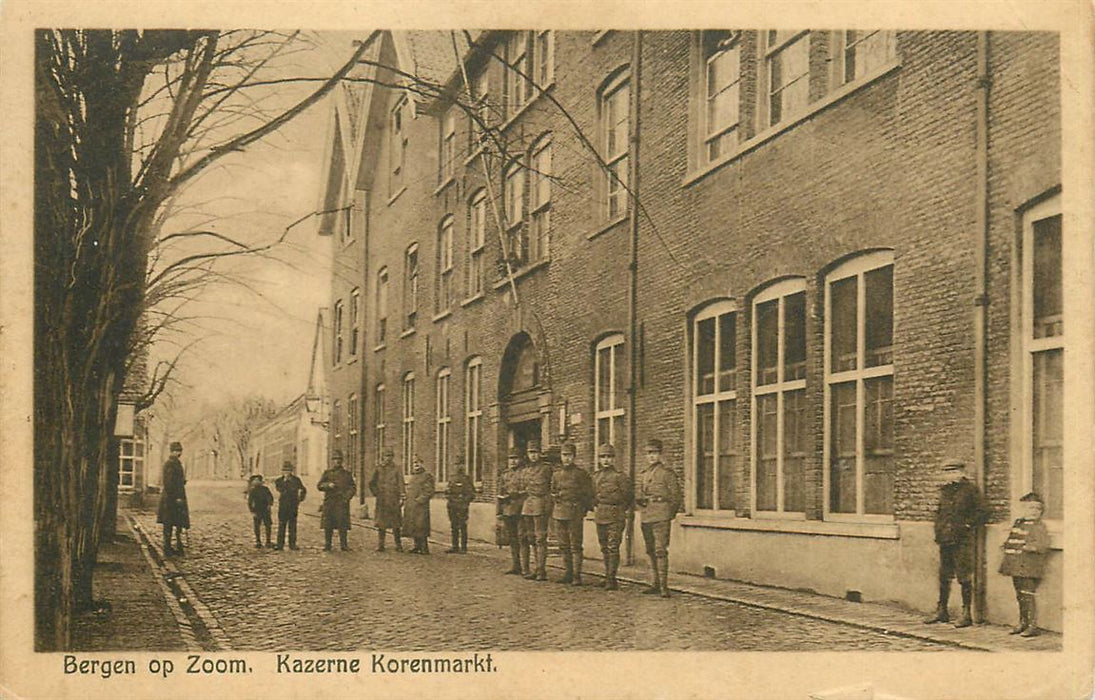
(410, 286)
(615, 116)
(380, 425)
(714, 407)
(787, 73)
(1043, 356)
(443, 425)
(382, 283)
(514, 199)
(517, 85)
(859, 53)
(609, 392)
(477, 238)
(473, 418)
(407, 425)
(780, 417)
(540, 199)
(351, 432)
(355, 319)
(444, 265)
(859, 429)
(338, 331)
(721, 78)
(130, 462)
(544, 57)
(397, 147)
(447, 146)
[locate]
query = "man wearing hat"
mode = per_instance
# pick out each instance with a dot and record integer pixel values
(458, 496)
(961, 512)
(659, 501)
(390, 491)
(416, 512)
(173, 511)
(572, 494)
(613, 496)
(338, 488)
(509, 505)
(291, 493)
(536, 485)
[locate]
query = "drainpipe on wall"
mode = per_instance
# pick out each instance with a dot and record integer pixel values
(980, 310)
(633, 277)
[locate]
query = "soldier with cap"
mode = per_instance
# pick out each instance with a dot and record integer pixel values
(536, 486)
(509, 502)
(291, 493)
(961, 512)
(659, 501)
(338, 488)
(572, 494)
(458, 496)
(173, 511)
(613, 496)
(390, 491)
(416, 513)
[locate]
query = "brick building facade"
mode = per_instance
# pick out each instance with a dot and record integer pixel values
(847, 265)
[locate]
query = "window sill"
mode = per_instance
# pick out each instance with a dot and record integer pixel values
(442, 316)
(444, 185)
(523, 272)
(407, 333)
(600, 36)
(878, 531)
(471, 300)
(607, 227)
(525, 107)
(391, 200)
(380, 347)
(771, 132)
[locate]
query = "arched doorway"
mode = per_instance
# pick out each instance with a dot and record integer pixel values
(523, 396)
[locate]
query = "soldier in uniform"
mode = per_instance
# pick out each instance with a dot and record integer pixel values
(961, 512)
(536, 486)
(659, 501)
(291, 493)
(338, 488)
(572, 494)
(390, 491)
(173, 511)
(613, 496)
(459, 495)
(509, 510)
(416, 512)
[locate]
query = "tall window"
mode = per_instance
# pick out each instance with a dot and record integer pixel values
(410, 286)
(514, 198)
(407, 425)
(544, 57)
(355, 319)
(1043, 353)
(859, 385)
(615, 121)
(780, 417)
(862, 52)
(130, 462)
(443, 425)
(787, 71)
(540, 199)
(721, 84)
(351, 432)
(397, 147)
(338, 331)
(714, 406)
(473, 418)
(530, 57)
(609, 392)
(477, 238)
(382, 305)
(444, 265)
(447, 146)
(484, 118)
(381, 422)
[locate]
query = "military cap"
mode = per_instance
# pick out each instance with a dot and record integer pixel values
(287, 466)
(533, 446)
(515, 451)
(654, 444)
(336, 454)
(953, 464)
(176, 446)
(568, 448)
(606, 450)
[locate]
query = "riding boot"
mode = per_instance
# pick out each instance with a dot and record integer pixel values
(1032, 617)
(464, 539)
(577, 556)
(569, 575)
(342, 540)
(397, 534)
(967, 600)
(1024, 615)
(941, 613)
(328, 533)
(380, 534)
(541, 561)
(655, 587)
(455, 533)
(515, 556)
(426, 545)
(526, 555)
(167, 550)
(663, 576)
(178, 540)
(612, 563)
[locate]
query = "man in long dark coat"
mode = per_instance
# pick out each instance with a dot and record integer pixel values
(416, 512)
(390, 491)
(338, 488)
(572, 495)
(173, 512)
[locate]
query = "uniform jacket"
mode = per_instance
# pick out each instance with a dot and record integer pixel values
(510, 499)
(613, 494)
(659, 494)
(571, 493)
(460, 491)
(291, 492)
(259, 499)
(338, 488)
(536, 485)
(388, 487)
(416, 512)
(961, 511)
(1025, 549)
(173, 509)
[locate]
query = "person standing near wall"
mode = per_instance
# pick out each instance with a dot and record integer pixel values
(338, 488)
(459, 495)
(509, 509)
(572, 494)
(416, 513)
(613, 496)
(390, 491)
(659, 502)
(536, 486)
(173, 512)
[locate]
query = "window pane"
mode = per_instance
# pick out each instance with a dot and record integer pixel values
(767, 452)
(842, 448)
(727, 357)
(789, 79)
(794, 450)
(878, 462)
(621, 379)
(727, 454)
(879, 317)
(604, 379)
(794, 337)
(705, 455)
(1047, 278)
(767, 342)
(843, 324)
(1048, 430)
(705, 360)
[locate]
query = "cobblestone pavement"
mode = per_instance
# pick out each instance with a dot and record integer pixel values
(363, 599)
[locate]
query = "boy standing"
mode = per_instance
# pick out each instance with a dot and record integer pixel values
(1025, 559)
(259, 500)
(291, 493)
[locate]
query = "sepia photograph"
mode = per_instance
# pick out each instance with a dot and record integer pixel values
(430, 359)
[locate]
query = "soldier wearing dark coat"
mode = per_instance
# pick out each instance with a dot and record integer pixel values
(390, 491)
(659, 501)
(1025, 560)
(416, 513)
(338, 488)
(509, 510)
(259, 502)
(459, 494)
(536, 509)
(291, 493)
(613, 497)
(572, 497)
(173, 511)
(961, 512)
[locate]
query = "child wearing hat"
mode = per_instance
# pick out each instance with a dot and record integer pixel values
(1024, 561)
(259, 501)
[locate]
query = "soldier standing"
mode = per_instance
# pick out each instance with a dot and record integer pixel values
(338, 488)
(173, 511)
(416, 513)
(961, 512)
(459, 495)
(659, 501)
(572, 493)
(390, 491)
(536, 485)
(291, 493)
(613, 495)
(509, 510)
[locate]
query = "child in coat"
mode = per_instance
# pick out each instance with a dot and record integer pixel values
(259, 501)
(1024, 560)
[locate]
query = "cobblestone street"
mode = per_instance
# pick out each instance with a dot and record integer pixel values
(363, 599)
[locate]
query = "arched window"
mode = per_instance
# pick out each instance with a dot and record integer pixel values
(410, 286)
(714, 407)
(407, 424)
(477, 239)
(444, 265)
(380, 421)
(615, 124)
(473, 418)
(539, 229)
(443, 424)
(609, 390)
